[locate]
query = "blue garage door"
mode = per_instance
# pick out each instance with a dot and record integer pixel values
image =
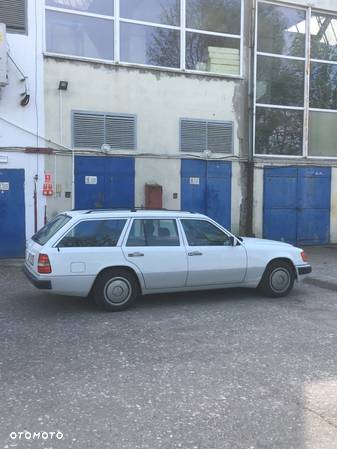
(104, 182)
(206, 188)
(12, 213)
(297, 204)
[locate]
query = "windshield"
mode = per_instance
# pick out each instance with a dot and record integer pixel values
(44, 234)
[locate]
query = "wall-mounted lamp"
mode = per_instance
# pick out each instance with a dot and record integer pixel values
(63, 85)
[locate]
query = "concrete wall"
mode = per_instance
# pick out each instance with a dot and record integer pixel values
(19, 126)
(26, 50)
(258, 201)
(333, 222)
(159, 99)
(165, 172)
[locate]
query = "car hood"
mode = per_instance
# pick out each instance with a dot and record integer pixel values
(253, 241)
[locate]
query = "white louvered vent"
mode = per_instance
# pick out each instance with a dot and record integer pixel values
(88, 130)
(202, 135)
(220, 137)
(93, 130)
(120, 132)
(193, 135)
(13, 14)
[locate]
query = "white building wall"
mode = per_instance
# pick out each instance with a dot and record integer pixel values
(158, 99)
(20, 126)
(26, 50)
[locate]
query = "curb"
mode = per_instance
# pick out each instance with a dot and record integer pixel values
(12, 262)
(326, 282)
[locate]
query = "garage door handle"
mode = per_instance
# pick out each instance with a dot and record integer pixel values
(136, 255)
(195, 253)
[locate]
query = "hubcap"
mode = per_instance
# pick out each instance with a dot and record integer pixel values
(280, 280)
(117, 291)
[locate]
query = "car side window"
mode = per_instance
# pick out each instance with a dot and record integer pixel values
(152, 232)
(204, 233)
(93, 233)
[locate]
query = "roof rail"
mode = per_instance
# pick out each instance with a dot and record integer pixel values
(136, 209)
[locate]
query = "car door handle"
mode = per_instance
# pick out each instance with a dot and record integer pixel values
(136, 255)
(195, 253)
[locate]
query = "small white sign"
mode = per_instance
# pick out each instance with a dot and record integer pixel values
(4, 186)
(3, 159)
(195, 181)
(91, 180)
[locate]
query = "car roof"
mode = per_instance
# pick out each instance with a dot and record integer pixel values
(127, 213)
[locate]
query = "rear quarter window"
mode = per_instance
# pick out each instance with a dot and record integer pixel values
(50, 229)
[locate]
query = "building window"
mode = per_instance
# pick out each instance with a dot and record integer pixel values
(13, 15)
(195, 35)
(295, 97)
(92, 130)
(206, 135)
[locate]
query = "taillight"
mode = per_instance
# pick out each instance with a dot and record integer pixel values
(304, 256)
(43, 265)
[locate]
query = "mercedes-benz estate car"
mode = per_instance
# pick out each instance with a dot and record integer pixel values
(116, 256)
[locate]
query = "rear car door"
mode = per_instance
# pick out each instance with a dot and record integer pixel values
(212, 259)
(155, 246)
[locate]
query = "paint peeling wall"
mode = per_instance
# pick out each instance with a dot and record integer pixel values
(159, 99)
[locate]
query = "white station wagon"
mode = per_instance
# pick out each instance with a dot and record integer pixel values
(117, 255)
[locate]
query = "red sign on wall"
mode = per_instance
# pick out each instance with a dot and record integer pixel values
(47, 186)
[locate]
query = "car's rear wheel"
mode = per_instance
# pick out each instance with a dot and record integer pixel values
(278, 279)
(115, 289)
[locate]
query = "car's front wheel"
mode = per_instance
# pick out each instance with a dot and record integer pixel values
(115, 289)
(278, 279)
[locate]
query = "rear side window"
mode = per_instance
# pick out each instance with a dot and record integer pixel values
(153, 233)
(93, 233)
(50, 229)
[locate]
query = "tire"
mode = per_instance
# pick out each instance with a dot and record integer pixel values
(115, 290)
(278, 279)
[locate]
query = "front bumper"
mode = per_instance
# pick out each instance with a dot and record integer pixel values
(38, 283)
(306, 269)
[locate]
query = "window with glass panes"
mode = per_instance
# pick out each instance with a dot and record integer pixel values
(296, 82)
(195, 35)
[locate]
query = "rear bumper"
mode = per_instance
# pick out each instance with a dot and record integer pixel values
(306, 269)
(38, 283)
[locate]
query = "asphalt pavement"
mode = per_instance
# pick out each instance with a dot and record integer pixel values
(206, 370)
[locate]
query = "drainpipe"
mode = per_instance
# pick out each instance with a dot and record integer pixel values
(35, 202)
(251, 113)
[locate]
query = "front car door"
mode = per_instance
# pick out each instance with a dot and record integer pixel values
(155, 246)
(212, 259)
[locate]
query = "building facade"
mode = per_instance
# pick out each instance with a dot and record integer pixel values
(21, 123)
(223, 107)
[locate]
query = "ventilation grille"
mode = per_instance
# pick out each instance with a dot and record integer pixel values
(94, 130)
(13, 14)
(202, 135)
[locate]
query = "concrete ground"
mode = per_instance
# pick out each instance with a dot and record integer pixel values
(209, 370)
(324, 262)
